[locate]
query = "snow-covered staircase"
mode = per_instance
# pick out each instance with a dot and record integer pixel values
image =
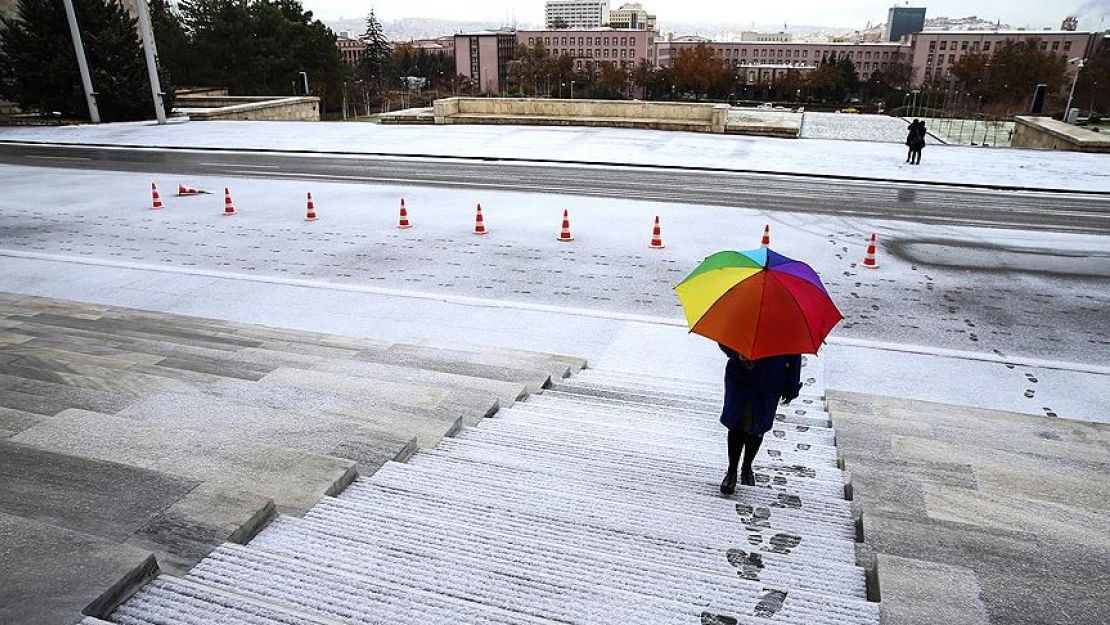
(594, 502)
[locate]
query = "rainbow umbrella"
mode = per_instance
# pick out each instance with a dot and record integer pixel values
(759, 302)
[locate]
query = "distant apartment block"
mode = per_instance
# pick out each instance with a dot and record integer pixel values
(632, 16)
(903, 21)
(752, 35)
(576, 14)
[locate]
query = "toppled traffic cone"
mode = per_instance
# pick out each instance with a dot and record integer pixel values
(184, 190)
(869, 260)
(766, 242)
(564, 234)
(156, 200)
(656, 236)
(229, 208)
(404, 220)
(479, 223)
(310, 214)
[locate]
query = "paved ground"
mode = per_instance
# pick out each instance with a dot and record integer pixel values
(849, 127)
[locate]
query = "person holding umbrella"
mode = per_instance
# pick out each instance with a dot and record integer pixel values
(753, 389)
(764, 310)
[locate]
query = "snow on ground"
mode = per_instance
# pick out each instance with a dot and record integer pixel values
(850, 127)
(863, 159)
(942, 321)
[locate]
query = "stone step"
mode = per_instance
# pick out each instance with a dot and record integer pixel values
(143, 329)
(702, 480)
(798, 453)
(50, 574)
(68, 373)
(629, 519)
(686, 559)
(812, 367)
(533, 376)
(555, 362)
(370, 445)
(104, 499)
(798, 512)
(616, 426)
(294, 480)
(48, 398)
(170, 601)
(572, 416)
(796, 412)
(547, 584)
(507, 392)
(471, 405)
(13, 421)
(395, 589)
(412, 531)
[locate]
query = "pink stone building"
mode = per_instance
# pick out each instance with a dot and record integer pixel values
(934, 52)
(765, 62)
(484, 57)
(622, 47)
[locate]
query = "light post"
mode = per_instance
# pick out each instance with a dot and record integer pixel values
(1078, 66)
(572, 90)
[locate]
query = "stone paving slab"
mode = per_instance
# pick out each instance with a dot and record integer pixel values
(507, 392)
(48, 398)
(104, 499)
(15, 421)
(910, 588)
(81, 571)
(458, 363)
(554, 361)
(209, 515)
(319, 433)
(294, 480)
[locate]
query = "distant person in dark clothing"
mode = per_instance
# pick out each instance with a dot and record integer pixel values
(915, 141)
(753, 389)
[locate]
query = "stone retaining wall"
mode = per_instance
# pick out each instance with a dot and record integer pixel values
(632, 114)
(1049, 134)
(302, 108)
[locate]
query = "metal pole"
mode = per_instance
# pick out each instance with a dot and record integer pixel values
(1067, 109)
(82, 64)
(151, 65)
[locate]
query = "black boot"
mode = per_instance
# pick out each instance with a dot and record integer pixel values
(728, 485)
(747, 477)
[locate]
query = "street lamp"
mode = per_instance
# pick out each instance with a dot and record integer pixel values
(572, 90)
(1078, 66)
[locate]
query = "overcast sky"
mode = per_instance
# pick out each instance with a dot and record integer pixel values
(835, 13)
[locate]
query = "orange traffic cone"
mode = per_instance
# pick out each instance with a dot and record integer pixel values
(479, 223)
(656, 236)
(404, 221)
(310, 215)
(564, 234)
(766, 242)
(869, 260)
(184, 190)
(156, 200)
(229, 208)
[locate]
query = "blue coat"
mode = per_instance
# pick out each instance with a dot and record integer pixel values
(753, 390)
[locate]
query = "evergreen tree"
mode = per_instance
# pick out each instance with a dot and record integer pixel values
(38, 67)
(375, 55)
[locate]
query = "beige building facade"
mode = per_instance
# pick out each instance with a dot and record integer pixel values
(934, 52)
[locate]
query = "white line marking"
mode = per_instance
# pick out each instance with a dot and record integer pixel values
(247, 165)
(62, 158)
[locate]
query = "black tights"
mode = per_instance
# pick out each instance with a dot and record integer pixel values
(738, 441)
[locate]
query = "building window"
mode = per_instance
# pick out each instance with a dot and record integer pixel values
(743, 52)
(932, 46)
(805, 54)
(963, 45)
(929, 60)
(1044, 45)
(1055, 46)
(531, 40)
(1067, 46)
(974, 46)
(986, 46)
(944, 45)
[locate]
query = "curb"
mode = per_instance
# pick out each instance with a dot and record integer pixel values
(548, 161)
